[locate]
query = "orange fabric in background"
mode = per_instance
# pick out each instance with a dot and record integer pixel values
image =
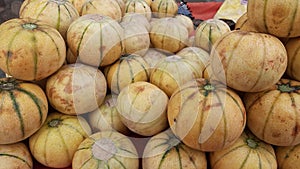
(204, 10)
(200, 10)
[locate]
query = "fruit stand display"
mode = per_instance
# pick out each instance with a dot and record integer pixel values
(138, 84)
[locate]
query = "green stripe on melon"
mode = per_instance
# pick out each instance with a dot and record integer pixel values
(13, 156)
(128, 69)
(37, 102)
(269, 103)
(206, 115)
(24, 105)
(106, 149)
(24, 51)
(245, 152)
(16, 157)
(96, 39)
(165, 149)
(56, 142)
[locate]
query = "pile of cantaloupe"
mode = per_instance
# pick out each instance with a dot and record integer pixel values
(94, 84)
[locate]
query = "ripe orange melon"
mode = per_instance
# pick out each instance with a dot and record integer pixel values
(57, 13)
(109, 8)
(171, 72)
(206, 115)
(106, 149)
(128, 69)
(136, 38)
(152, 57)
(138, 6)
(76, 89)
(288, 156)
(279, 18)
(24, 108)
(247, 152)
(243, 24)
(142, 107)
(168, 34)
(165, 150)
(96, 40)
(55, 143)
(107, 117)
(15, 156)
(293, 68)
(24, 53)
(187, 22)
(248, 68)
(164, 8)
(273, 114)
(196, 55)
(208, 32)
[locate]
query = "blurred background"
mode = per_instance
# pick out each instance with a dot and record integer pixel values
(10, 8)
